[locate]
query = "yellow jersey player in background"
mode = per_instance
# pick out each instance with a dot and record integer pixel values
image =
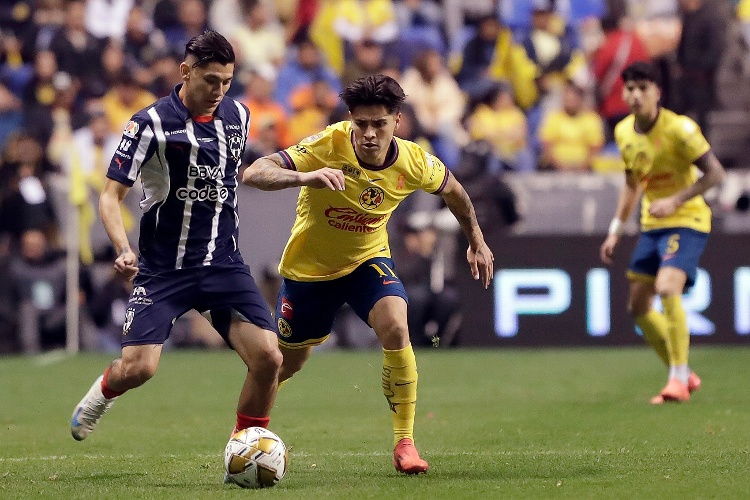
(353, 176)
(661, 151)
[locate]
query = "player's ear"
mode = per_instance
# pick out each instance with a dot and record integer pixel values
(184, 71)
(397, 120)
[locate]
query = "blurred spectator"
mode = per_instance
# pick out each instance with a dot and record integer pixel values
(17, 22)
(479, 174)
(225, 16)
(621, 47)
(85, 157)
(142, 41)
(698, 56)
(312, 104)
(438, 103)
(550, 45)
(39, 91)
(410, 129)
(463, 18)
(26, 204)
(125, 99)
(304, 64)
(502, 124)
(260, 39)
(368, 59)
(265, 143)
(11, 113)
(265, 111)
(165, 73)
(165, 15)
(433, 305)
(37, 280)
(572, 136)
(191, 21)
(492, 55)
(78, 52)
(15, 71)
(421, 26)
(298, 27)
(357, 20)
(64, 108)
(340, 23)
(113, 63)
(107, 18)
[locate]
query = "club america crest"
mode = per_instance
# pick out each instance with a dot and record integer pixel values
(236, 145)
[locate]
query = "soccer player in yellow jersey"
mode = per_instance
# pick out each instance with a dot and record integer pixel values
(353, 176)
(661, 151)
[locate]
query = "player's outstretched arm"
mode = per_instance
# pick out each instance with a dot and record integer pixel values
(478, 254)
(625, 205)
(269, 174)
(109, 209)
(713, 174)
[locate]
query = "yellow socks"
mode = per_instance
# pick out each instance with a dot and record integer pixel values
(399, 381)
(678, 333)
(654, 326)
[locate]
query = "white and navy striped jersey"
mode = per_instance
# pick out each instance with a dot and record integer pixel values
(188, 167)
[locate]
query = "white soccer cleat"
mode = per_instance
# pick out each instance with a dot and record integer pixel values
(89, 411)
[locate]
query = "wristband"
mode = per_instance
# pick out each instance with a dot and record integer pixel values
(615, 227)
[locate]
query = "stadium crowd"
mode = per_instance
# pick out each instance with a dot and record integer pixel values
(492, 86)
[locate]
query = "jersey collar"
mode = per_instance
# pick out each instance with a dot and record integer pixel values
(183, 112)
(390, 157)
(650, 127)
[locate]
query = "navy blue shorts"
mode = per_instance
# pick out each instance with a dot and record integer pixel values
(305, 310)
(221, 293)
(672, 247)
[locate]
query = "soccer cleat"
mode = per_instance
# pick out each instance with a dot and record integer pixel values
(694, 382)
(406, 458)
(674, 392)
(88, 412)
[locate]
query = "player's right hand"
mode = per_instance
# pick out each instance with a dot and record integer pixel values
(607, 250)
(125, 264)
(325, 177)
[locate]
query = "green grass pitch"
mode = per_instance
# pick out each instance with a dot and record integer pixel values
(553, 423)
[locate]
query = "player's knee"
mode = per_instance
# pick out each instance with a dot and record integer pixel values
(266, 361)
(137, 373)
(394, 335)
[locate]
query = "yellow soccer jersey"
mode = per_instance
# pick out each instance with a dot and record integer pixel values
(335, 231)
(662, 161)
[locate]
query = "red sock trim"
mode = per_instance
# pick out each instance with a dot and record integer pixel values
(245, 421)
(109, 393)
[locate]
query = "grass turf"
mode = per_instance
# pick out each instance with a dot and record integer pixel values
(567, 423)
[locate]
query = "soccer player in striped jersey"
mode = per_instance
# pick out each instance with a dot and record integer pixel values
(187, 148)
(661, 151)
(353, 176)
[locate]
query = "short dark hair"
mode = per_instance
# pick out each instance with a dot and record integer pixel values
(374, 90)
(641, 70)
(210, 46)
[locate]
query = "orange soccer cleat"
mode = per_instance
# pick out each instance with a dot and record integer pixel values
(694, 382)
(406, 458)
(674, 392)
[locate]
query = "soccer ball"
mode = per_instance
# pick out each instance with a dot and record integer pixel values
(255, 458)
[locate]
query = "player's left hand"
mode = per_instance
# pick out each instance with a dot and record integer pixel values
(663, 207)
(481, 262)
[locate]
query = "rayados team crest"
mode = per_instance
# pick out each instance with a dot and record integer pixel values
(236, 145)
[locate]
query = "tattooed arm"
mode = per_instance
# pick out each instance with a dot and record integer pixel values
(270, 173)
(479, 255)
